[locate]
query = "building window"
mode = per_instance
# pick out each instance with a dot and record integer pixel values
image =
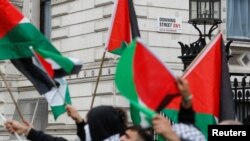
(34, 109)
(238, 20)
(45, 17)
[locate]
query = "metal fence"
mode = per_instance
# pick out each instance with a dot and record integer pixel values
(241, 90)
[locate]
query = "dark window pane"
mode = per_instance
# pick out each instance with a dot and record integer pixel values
(45, 17)
(238, 20)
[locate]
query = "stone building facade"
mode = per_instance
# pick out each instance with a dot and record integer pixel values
(78, 28)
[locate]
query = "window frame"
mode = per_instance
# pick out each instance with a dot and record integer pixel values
(45, 17)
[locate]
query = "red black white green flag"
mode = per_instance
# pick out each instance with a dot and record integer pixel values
(17, 35)
(144, 80)
(209, 81)
(123, 27)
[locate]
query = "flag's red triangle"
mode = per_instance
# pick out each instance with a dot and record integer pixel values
(120, 29)
(46, 65)
(204, 77)
(9, 17)
(152, 79)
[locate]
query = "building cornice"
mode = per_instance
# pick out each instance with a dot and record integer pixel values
(18, 3)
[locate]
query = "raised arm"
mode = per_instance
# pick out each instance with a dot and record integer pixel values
(24, 129)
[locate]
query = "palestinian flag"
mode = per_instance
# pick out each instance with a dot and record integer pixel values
(56, 65)
(58, 97)
(123, 27)
(17, 34)
(56, 92)
(144, 80)
(209, 81)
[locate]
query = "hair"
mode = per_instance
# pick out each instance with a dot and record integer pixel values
(145, 134)
(122, 116)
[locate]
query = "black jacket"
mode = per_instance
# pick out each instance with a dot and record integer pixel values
(80, 130)
(103, 122)
(40, 136)
(186, 115)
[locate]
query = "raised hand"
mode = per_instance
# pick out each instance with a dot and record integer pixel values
(72, 112)
(162, 126)
(185, 92)
(14, 126)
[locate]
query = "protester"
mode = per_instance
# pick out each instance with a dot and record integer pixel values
(103, 123)
(31, 134)
(163, 127)
(185, 129)
(137, 133)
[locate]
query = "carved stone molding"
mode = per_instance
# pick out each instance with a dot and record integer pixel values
(18, 3)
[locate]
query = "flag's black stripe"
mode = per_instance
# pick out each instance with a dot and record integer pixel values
(167, 99)
(38, 78)
(133, 20)
(227, 106)
(59, 73)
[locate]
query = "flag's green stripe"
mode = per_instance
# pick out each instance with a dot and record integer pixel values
(124, 75)
(67, 96)
(171, 114)
(58, 110)
(119, 50)
(201, 120)
(16, 42)
(148, 112)
(64, 62)
(135, 114)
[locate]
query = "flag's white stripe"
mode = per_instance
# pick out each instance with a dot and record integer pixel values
(24, 20)
(56, 66)
(36, 63)
(76, 61)
(56, 96)
(144, 123)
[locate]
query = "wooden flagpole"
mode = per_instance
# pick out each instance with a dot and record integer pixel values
(35, 111)
(98, 79)
(12, 97)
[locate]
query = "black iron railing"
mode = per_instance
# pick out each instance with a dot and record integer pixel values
(241, 90)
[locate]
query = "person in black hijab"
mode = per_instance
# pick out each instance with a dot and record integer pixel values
(103, 123)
